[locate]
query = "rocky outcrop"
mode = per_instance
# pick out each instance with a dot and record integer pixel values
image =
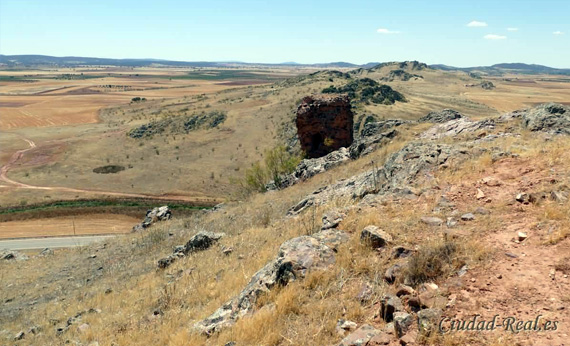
(294, 259)
(549, 117)
(457, 127)
(442, 116)
(365, 145)
(311, 167)
(324, 124)
(401, 75)
(409, 165)
(377, 127)
(199, 242)
(152, 216)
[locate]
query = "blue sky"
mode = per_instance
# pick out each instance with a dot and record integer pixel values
(302, 31)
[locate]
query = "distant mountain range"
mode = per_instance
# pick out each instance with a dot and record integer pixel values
(71, 61)
(499, 69)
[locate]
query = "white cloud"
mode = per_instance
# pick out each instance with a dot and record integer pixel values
(386, 31)
(494, 37)
(477, 24)
(558, 33)
(512, 29)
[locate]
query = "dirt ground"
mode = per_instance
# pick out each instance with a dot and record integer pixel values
(68, 226)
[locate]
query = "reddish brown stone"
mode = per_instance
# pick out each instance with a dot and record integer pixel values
(324, 124)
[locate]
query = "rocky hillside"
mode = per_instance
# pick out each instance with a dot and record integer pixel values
(387, 242)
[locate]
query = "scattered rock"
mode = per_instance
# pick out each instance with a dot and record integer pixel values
(375, 237)
(389, 304)
(153, 216)
(559, 196)
(511, 255)
(523, 198)
(402, 321)
(404, 290)
(432, 220)
(199, 242)
(227, 250)
(442, 116)
(20, 335)
(400, 252)
(393, 272)
(365, 293)
(492, 181)
(13, 255)
(332, 219)
(451, 222)
(468, 217)
(482, 211)
(428, 320)
(480, 194)
(521, 236)
(342, 327)
(46, 252)
(361, 337)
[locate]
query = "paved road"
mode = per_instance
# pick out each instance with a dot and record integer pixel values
(52, 242)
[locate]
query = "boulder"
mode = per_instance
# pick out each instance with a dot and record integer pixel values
(332, 218)
(343, 326)
(389, 304)
(199, 242)
(375, 237)
(442, 116)
(361, 337)
(432, 220)
(324, 124)
(402, 322)
(549, 117)
(294, 259)
(393, 272)
(153, 216)
(428, 320)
